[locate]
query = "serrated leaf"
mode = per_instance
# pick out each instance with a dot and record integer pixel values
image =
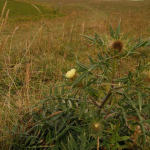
(140, 44)
(81, 65)
(100, 56)
(91, 60)
(89, 37)
(80, 77)
(98, 39)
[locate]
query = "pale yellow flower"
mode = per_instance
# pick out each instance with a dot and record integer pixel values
(71, 74)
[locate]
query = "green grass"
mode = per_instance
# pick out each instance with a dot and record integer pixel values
(22, 11)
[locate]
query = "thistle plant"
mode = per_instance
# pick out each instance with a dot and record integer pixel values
(106, 106)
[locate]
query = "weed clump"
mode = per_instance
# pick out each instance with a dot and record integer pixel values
(107, 94)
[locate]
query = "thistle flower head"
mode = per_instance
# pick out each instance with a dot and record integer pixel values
(71, 74)
(117, 45)
(96, 127)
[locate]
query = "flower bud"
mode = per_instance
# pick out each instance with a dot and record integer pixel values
(117, 45)
(96, 127)
(71, 74)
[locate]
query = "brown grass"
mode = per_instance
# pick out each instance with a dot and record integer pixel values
(34, 56)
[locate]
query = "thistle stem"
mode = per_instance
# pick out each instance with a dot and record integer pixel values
(98, 143)
(110, 91)
(104, 101)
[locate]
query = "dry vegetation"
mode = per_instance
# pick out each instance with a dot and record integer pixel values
(35, 54)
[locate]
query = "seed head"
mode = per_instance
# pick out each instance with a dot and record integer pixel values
(117, 45)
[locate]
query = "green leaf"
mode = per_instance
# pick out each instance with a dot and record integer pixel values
(63, 146)
(62, 133)
(123, 138)
(75, 128)
(80, 77)
(48, 136)
(100, 56)
(73, 142)
(83, 141)
(62, 90)
(146, 108)
(123, 114)
(50, 92)
(111, 31)
(81, 65)
(107, 145)
(146, 121)
(129, 101)
(98, 39)
(125, 37)
(70, 146)
(140, 99)
(92, 91)
(55, 91)
(56, 146)
(148, 133)
(125, 79)
(91, 60)
(91, 145)
(89, 37)
(28, 139)
(83, 107)
(140, 44)
(118, 30)
(33, 140)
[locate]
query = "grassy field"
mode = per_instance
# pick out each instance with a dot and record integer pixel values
(22, 11)
(40, 42)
